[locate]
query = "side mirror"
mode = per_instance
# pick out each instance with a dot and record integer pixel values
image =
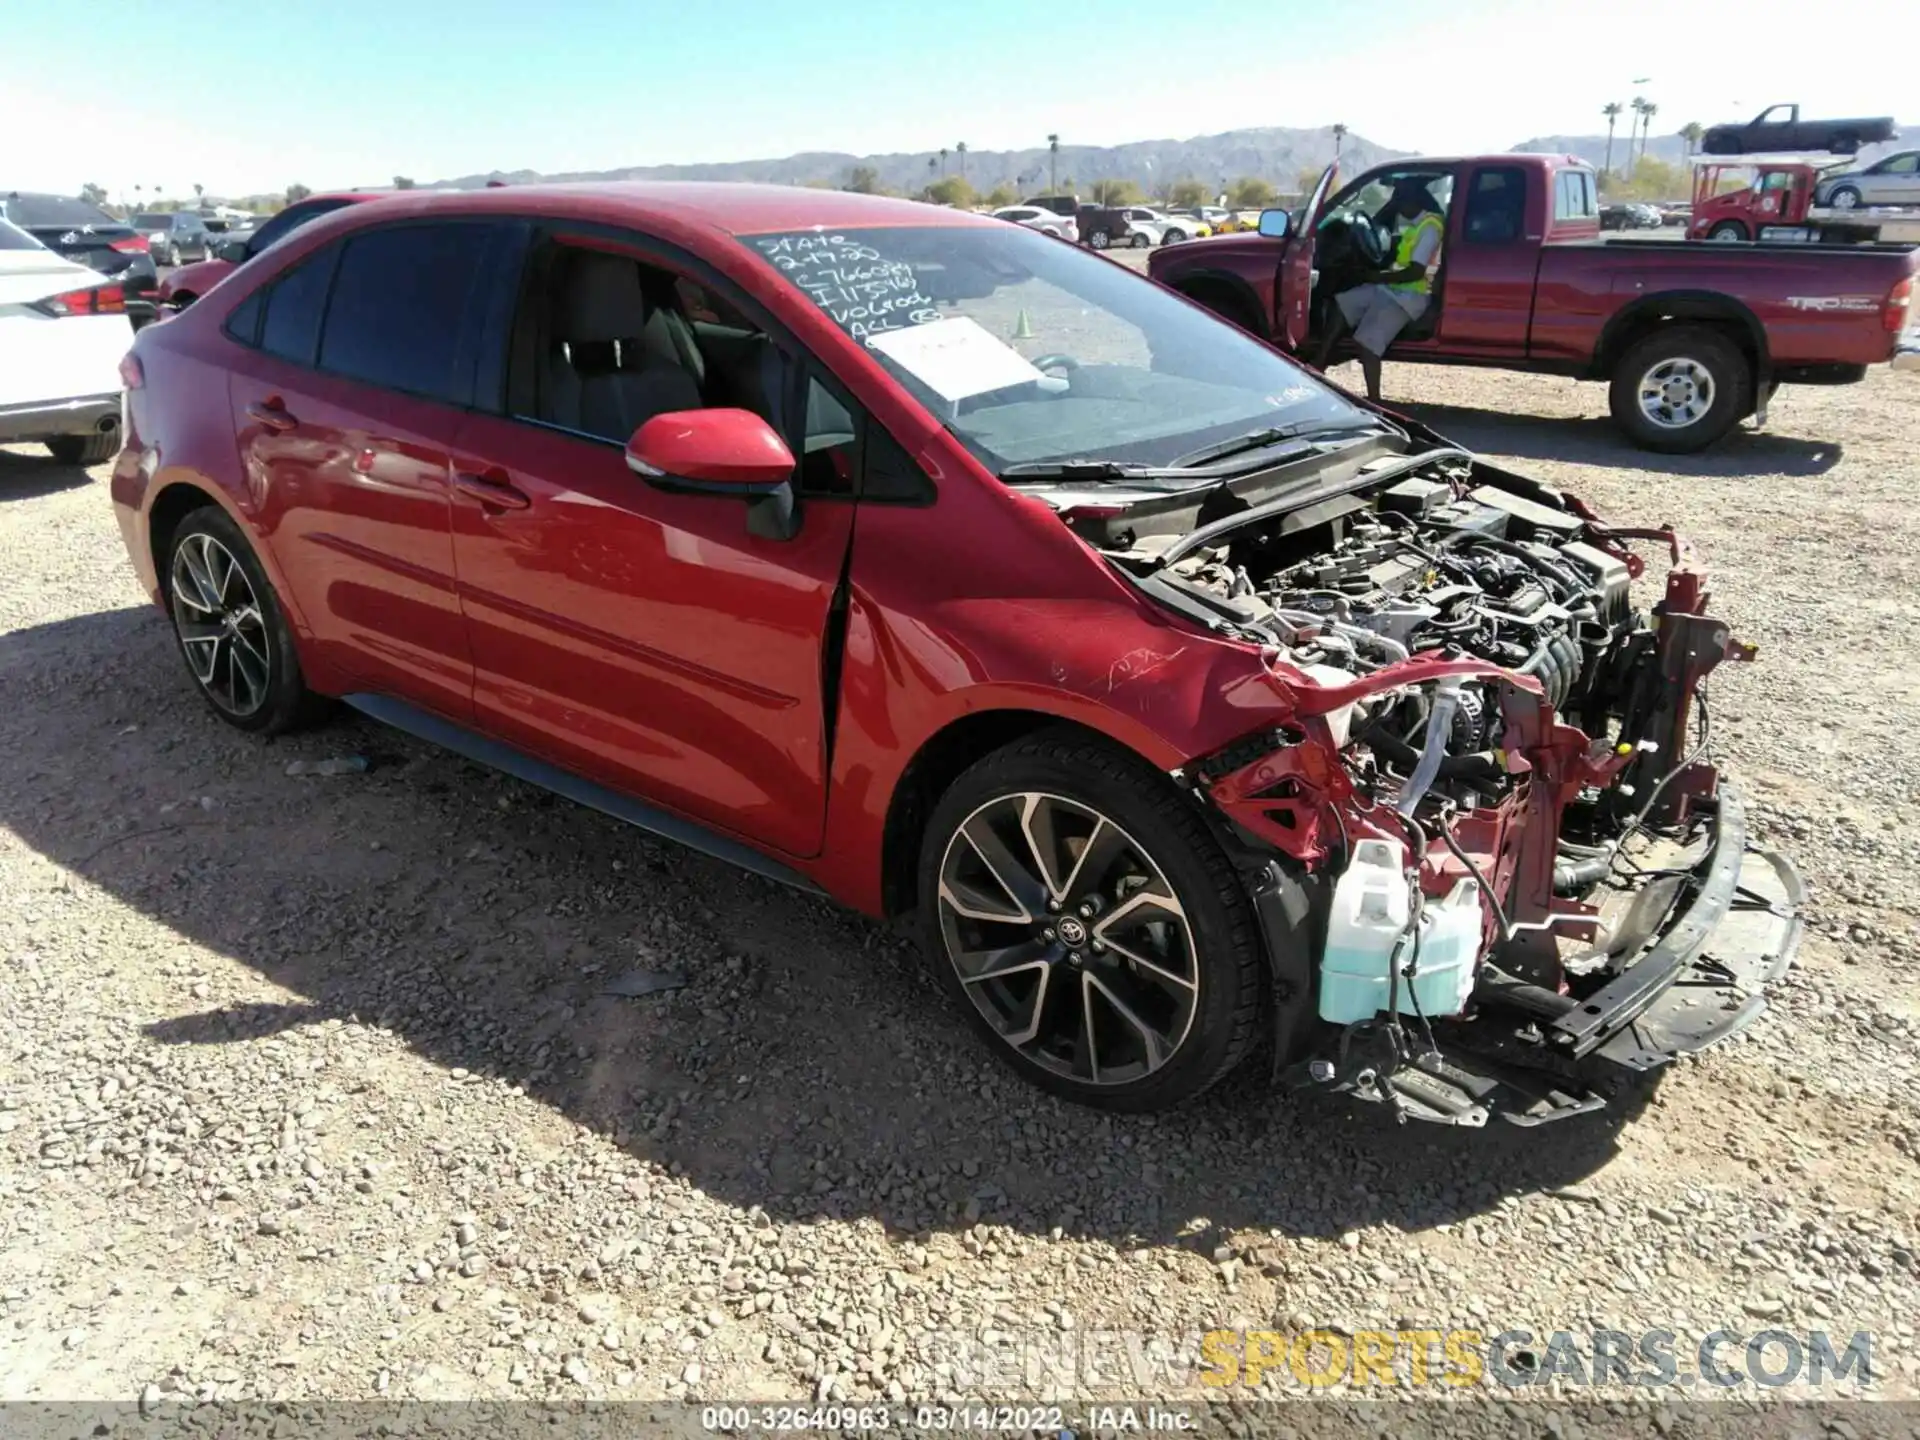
(1276, 224)
(721, 452)
(234, 252)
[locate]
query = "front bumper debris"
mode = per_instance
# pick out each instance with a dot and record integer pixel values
(1732, 928)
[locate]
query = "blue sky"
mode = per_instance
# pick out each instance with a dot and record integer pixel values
(251, 95)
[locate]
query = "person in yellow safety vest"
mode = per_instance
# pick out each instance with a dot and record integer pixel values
(1387, 301)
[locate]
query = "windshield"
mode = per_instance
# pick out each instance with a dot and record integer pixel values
(1030, 350)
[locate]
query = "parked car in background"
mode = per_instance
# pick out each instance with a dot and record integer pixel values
(184, 286)
(1161, 228)
(1047, 222)
(1671, 215)
(1779, 127)
(914, 558)
(87, 235)
(63, 332)
(1647, 217)
(174, 237)
(1691, 339)
(1217, 218)
(1891, 180)
(1069, 205)
(1617, 217)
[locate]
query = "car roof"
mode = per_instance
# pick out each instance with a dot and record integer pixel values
(725, 208)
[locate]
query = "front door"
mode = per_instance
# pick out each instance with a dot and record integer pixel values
(644, 639)
(1296, 278)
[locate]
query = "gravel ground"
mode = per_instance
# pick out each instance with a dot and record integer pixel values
(308, 1086)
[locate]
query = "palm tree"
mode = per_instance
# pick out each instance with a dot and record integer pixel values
(1633, 129)
(1692, 132)
(1647, 112)
(1612, 111)
(943, 160)
(1339, 139)
(960, 149)
(1053, 164)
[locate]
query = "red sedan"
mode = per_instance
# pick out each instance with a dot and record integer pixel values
(1197, 709)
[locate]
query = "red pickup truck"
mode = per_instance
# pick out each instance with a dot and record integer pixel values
(1692, 338)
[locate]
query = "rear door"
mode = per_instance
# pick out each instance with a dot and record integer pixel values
(345, 406)
(1894, 181)
(1493, 252)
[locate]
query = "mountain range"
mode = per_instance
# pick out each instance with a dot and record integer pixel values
(1275, 154)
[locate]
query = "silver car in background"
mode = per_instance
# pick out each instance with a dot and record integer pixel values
(1061, 227)
(1891, 180)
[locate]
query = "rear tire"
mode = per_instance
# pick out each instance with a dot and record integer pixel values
(1099, 240)
(230, 628)
(1141, 240)
(88, 449)
(1680, 389)
(1158, 936)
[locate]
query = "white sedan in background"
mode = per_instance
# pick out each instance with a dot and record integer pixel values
(1061, 227)
(1160, 228)
(63, 333)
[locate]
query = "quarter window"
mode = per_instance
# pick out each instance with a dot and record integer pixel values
(291, 326)
(399, 299)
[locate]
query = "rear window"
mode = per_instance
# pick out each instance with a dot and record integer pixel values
(1573, 197)
(150, 220)
(399, 300)
(12, 237)
(54, 210)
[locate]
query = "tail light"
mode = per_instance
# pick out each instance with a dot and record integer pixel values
(131, 374)
(1893, 316)
(130, 245)
(100, 300)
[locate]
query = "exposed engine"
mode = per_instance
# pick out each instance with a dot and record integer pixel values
(1490, 574)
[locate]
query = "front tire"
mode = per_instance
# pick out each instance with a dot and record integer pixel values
(1087, 922)
(1141, 240)
(1728, 232)
(1099, 240)
(89, 449)
(1844, 197)
(1680, 389)
(231, 630)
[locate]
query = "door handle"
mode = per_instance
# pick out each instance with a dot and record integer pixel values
(498, 493)
(272, 414)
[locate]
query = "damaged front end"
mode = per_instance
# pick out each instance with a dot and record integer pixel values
(1494, 861)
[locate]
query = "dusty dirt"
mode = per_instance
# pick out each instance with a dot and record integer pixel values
(308, 1087)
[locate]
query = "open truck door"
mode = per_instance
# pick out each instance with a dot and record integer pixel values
(1296, 263)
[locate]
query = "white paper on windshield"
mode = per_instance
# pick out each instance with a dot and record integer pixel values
(955, 358)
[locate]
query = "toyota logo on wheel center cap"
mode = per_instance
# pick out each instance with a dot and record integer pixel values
(1072, 933)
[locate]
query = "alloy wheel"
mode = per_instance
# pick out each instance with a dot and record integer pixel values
(1068, 939)
(222, 629)
(1676, 393)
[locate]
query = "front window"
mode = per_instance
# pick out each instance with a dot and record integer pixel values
(1371, 198)
(1031, 351)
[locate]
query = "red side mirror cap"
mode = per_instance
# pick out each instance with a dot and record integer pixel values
(729, 452)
